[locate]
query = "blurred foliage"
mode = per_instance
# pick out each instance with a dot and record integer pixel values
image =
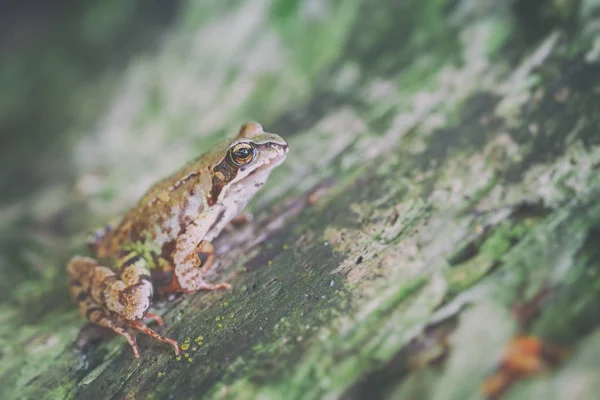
(54, 56)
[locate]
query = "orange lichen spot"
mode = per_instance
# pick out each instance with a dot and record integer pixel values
(496, 384)
(524, 356)
(318, 194)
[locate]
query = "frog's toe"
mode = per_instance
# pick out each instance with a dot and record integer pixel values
(102, 318)
(214, 286)
(141, 327)
(157, 318)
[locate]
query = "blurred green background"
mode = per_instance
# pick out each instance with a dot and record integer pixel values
(55, 58)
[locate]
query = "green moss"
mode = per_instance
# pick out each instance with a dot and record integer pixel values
(315, 37)
(464, 276)
(480, 255)
(499, 33)
(101, 21)
(503, 238)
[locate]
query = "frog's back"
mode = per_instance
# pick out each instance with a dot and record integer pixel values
(160, 215)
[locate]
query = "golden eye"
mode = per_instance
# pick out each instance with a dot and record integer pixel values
(242, 153)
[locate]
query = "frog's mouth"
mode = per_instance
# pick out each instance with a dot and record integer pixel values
(281, 149)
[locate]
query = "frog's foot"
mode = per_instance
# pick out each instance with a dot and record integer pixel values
(214, 286)
(241, 220)
(141, 327)
(102, 318)
(238, 222)
(192, 286)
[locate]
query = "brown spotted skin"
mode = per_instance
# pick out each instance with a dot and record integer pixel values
(164, 242)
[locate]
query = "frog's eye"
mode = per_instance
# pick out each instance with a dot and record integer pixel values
(242, 153)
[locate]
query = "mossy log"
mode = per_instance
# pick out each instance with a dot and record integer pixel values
(440, 199)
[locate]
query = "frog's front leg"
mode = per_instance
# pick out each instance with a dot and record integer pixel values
(112, 302)
(192, 261)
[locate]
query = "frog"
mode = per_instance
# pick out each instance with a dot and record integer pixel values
(163, 245)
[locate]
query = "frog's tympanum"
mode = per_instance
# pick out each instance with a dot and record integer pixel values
(164, 243)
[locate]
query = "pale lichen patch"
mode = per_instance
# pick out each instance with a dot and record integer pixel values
(567, 177)
(516, 90)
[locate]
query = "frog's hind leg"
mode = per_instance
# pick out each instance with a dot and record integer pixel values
(85, 277)
(131, 296)
(124, 300)
(101, 318)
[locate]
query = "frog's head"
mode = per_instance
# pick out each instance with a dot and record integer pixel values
(248, 160)
(254, 149)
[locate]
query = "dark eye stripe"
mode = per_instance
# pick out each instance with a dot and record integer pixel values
(226, 171)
